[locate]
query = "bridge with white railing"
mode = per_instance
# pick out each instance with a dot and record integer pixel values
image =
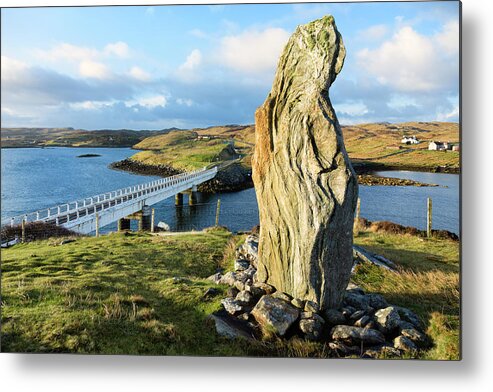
(89, 214)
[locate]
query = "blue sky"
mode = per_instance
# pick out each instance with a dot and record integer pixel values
(154, 67)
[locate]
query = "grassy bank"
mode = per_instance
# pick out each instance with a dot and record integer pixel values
(143, 294)
(380, 145)
(370, 146)
(428, 283)
(182, 150)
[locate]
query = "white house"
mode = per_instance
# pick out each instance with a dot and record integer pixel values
(409, 140)
(436, 146)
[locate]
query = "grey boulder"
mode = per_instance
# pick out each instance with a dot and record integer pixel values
(274, 314)
(356, 335)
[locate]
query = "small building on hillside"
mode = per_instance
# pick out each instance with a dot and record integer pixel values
(409, 140)
(205, 137)
(456, 147)
(436, 146)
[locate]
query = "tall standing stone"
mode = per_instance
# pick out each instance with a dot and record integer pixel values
(305, 184)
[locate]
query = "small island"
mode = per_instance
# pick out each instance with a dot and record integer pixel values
(88, 156)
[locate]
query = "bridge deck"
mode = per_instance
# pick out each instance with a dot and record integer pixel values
(80, 215)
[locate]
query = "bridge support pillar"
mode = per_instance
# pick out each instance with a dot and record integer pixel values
(192, 198)
(145, 222)
(192, 195)
(123, 224)
(179, 199)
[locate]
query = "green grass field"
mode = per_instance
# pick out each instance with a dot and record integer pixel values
(143, 294)
(187, 156)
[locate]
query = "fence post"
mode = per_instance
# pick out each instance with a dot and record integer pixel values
(23, 230)
(356, 218)
(429, 219)
(217, 211)
(152, 220)
(97, 224)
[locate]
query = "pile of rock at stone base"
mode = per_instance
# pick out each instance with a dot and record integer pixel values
(366, 325)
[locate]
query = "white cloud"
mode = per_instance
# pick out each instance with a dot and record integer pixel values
(448, 38)
(68, 52)
(89, 105)
(194, 59)
(11, 68)
(452, 115)
(139, 74)
(253, 51)
(188, 71)
(119, 49)
(411, 62)
(93, 69)
(152, 102)
(7, 111)
(352, 108)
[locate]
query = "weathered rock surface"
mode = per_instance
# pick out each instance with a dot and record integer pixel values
(274, 314)
(355, 335)
(388, 318)
(404, 344)
(355, 300)
(266, 288)
(229, 328)
(229, 278)
(244, 297)
(334, 317)
(362, 322)
(216, 278)
(305, 184)
(377, 301)
(231, 305)
(298, 303)
(410, 316)
(241, 265)
(382, 352)
(418, 338)
(210, 292)
(312, 328)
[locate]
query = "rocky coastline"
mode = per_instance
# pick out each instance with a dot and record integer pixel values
(231, 178)
(129, 165)
(371, 180)
(369, 167)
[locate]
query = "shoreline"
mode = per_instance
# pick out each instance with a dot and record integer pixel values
(232, 178)
(368, 168)
(134, 167)
(235, 177)
(360, 167)
(56, 146)
(373, 180)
